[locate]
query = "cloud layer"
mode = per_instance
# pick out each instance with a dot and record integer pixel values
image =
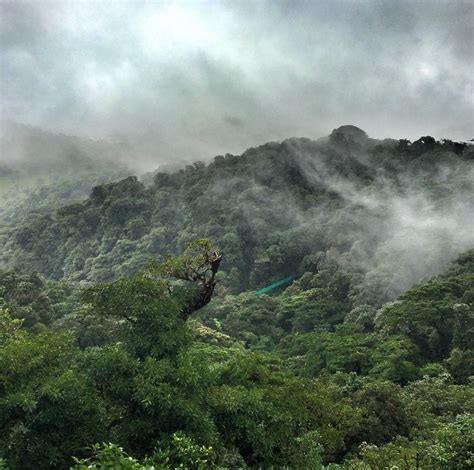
(188, 80)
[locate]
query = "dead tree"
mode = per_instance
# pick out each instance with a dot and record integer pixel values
(198, 266)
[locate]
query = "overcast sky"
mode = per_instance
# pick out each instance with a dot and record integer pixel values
(189, 80)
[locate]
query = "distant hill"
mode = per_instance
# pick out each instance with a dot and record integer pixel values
(31, 152)
(41, 170)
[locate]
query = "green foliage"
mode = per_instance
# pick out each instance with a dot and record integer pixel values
(176, 394)
(436, 398)
(247, 317)
(180, 453)
(34, 300)
(148, 316)
(461, 364)
(47, 408)
(8, 326)
(428, 314)
(401, 454)
(454, 444)
(109, 457)
(385, 414)
(266, 414)
(308, 450)
(451, 448)
(183, 453)
(351, 351)
(338, 370)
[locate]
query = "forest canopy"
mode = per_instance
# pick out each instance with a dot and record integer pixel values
(134, 332)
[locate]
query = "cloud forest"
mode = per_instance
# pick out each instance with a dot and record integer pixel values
(184, 285)
(135, 333)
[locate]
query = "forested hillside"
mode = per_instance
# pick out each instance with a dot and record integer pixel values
(133, 334)
(389, 212)
(41, 171)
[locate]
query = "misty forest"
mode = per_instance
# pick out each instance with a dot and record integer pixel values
(300, 303)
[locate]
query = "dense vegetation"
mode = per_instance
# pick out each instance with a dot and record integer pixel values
(274, 211)
(42, 171)
(113, 356)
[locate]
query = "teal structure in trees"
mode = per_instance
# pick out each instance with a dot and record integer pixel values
(275, 285)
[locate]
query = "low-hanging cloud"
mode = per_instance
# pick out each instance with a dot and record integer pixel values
(180, 80)
(402, 229)
(404, 226)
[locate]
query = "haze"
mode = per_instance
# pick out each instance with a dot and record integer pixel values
(189, 80)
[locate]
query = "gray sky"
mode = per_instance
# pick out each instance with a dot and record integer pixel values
(189, 80)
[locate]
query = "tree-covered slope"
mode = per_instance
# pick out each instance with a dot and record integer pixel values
(323, 387)
(388, 212)
(361, 360)
(41, 171)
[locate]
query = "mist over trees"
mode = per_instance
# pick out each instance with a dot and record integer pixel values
(386, 212)
(204, 263)
(133, 334)
(41, 171)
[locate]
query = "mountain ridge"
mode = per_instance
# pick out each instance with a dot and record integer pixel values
(286, 202)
